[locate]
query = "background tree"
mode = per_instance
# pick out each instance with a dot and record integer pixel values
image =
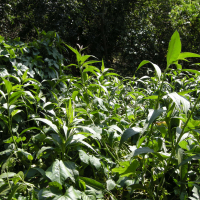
(123, 33)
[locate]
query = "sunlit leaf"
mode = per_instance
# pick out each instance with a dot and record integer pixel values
(110, 184)
(93, 183)
(174, 49)
(58, 172)
(126, 169)
(49, 123)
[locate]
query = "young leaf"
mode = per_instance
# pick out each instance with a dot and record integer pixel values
(8, 85)
(184, 55)
(91, 182)
(14, 96)
(174, 48)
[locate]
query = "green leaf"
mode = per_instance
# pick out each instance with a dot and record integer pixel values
(15, 112)
(110, 184)
(140, 141)
(42, 150)
(196, 193)
(183, 168)
(143, 150)
(95, 162)
(49, 123)
(195, 157)
(126, 168)
(4, 189)
(158, 70)
(91, 182)
(25, 153)
(177, 99)
(129, 133)
(115, 127)
(174, 49)
(186, 92)
(151, 97)
(8, 85)
(7, 175)
(70, 112)
(31, 128)
(24, 77)
(184, 55)
(74, 94)
(102, 66)
(191, 70)
(84, 157)
(3, 94)
(153, 114)
(58, 172)
(15, 189)
(14, 96)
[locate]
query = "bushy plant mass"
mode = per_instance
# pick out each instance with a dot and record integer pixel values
(99, 135)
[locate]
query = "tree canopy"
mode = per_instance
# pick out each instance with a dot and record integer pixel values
(123, 33)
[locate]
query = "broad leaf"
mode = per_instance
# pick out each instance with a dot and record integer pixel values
(110, 184)
(58, 172)
(126, 168)
(129, 133)
(143, 150)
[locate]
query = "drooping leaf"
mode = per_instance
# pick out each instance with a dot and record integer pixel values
(16, 188)
(129, 133)
(25, 153)
(158, 70)
(42, 150)
(4, 188)
(195, 157)
(49, 123)
(177, 99)
(143, 150)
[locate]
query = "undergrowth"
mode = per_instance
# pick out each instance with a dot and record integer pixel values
(100, 135)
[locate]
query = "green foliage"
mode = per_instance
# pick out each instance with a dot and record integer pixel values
(97, 136)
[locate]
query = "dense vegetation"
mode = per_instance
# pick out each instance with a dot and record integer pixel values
(100, 135)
